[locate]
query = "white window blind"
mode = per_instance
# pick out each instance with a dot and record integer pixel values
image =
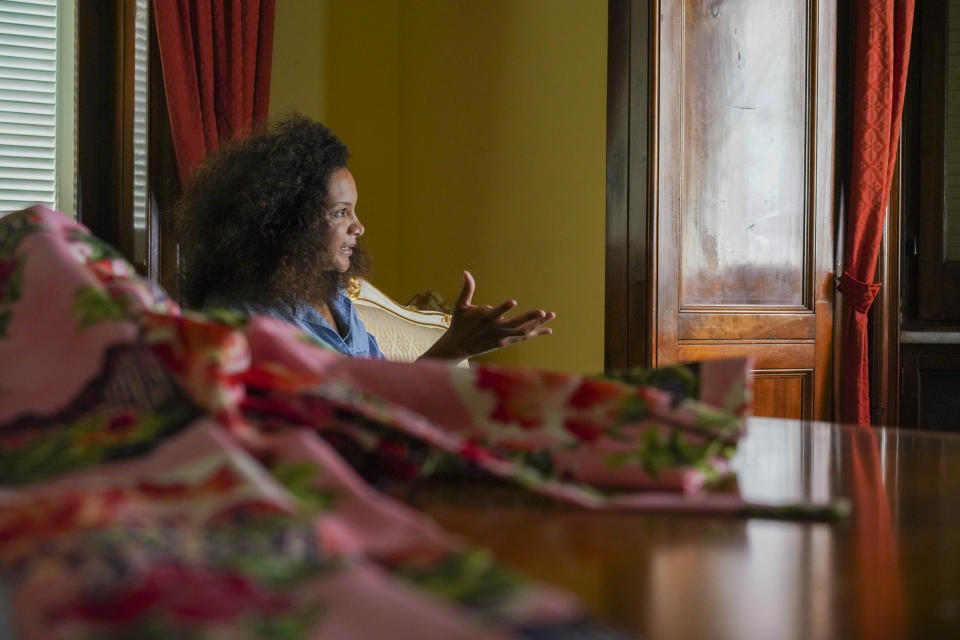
(140, 106)
(29, 65)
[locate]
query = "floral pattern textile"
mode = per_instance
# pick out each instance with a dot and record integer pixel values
(169, 474)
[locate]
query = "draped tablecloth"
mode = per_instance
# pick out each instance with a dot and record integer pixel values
(170, 474)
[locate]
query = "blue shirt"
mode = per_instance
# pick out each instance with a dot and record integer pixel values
(356, 342)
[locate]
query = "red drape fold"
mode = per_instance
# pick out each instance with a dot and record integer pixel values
(880, 606)
(216, 57)
(882, 50)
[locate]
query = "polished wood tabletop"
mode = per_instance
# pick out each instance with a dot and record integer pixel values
(890, 570)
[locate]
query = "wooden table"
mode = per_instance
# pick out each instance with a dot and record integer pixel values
(891, 570)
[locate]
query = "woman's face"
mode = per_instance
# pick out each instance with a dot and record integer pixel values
(343, 225)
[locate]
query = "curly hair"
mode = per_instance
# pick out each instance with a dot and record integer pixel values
(251, 219)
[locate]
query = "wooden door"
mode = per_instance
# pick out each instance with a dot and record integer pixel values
(739, 205)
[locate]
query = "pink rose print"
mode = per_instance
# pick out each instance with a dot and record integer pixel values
(522, 395)
(188, 594)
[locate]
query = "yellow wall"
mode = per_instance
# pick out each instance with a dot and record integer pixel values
(337, 62)
(477, 132)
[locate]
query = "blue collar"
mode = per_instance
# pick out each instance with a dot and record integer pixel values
(355, 340)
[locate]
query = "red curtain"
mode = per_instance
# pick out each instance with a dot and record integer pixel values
(881, 53)
(881, 611)
(216, 57)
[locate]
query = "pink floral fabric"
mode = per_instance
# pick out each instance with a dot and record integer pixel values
(164, 473)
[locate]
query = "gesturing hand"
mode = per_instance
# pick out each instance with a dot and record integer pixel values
(476, 329)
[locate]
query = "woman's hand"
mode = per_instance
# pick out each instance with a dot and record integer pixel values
(476, 329)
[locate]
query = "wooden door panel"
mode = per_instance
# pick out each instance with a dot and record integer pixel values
(783, 393)
(743, 210)
(720, 190)
(746, 326)
(743, 187)
(766, 355)
(931, 386)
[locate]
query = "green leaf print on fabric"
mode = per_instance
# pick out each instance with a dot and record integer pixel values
(92, 305)
(11, 280)
(299, 478)
(659, 451)
(471, 577)
(149, 627)
(287, 626)
(98, 248)
(88, 441)
(14, 228)
(680, 380)
(712, 419)
(124, 411)
(229, 317)
(11, 288)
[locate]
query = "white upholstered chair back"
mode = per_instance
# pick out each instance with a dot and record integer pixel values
(403, 332)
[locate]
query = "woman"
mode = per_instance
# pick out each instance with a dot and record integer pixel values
(274, 230)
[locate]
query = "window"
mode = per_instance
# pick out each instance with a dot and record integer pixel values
(931, 165)
(139, 138)
(37, 159)
(951, 237)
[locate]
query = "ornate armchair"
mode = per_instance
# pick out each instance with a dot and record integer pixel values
(404, 332)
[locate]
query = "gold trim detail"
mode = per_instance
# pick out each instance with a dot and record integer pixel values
(353, 288)
(445, 318)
